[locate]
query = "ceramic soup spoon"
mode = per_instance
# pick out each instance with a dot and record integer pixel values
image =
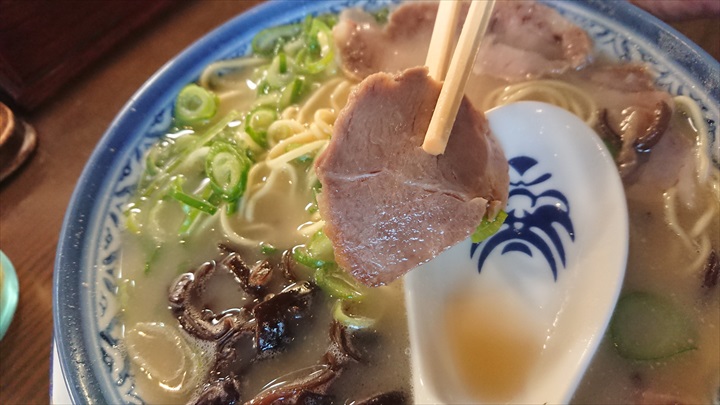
(517, 317)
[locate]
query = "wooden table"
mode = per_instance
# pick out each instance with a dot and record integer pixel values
(33, 202)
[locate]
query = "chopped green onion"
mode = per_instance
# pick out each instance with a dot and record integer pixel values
(132, 221)
(277, 75)
(293, 92)
(282, 63)
(381, 16)
(300, 254)
(488, 228)
(269, 101)
(317, 253)
(158, 156)
(338, 284)
(227, 170)
(317, 186)
(159, 181)
(232, 206)
(158, 216)
(263, 87)
(307, 25)
(316, 190)
(329, 19)
(318, 54)
(257, 123)
(195, 104)
(612, 147)
(269, 41)
(216, 129)
(311, 208)
(214, 198)
(649, 327)
(267, 249)
(152, 259)
(320, 247)
(191, 216)
(350, 321)
(308, 157)
(177, 193)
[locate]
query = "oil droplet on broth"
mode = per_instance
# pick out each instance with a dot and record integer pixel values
(494, 344)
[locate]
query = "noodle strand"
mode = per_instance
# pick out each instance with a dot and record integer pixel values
(561, 94)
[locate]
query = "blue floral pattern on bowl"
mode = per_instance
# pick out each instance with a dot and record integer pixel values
(86, 320)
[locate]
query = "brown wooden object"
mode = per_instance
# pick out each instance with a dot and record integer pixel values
(44, 44)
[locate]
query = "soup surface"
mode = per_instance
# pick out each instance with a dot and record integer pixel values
(224, 228)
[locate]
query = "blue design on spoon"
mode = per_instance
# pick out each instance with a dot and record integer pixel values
(535, 226)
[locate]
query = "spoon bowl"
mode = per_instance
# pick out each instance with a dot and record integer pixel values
(516, 318)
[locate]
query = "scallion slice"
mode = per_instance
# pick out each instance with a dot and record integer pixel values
(293, 92)
(336, 283)
(227, 170)
(268, 41)
(488, 228)
(267, 249)
(319, 52)
(282, 63)
(351, 321)
(178, 194)
(301, 255)
(320, 247)
(257, 123)
(195, 104)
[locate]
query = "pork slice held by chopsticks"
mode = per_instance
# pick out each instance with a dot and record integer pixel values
(388, 205)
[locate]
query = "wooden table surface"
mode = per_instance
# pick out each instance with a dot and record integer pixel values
(33, 202)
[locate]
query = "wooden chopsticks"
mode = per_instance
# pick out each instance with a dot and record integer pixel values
(453, 88)
(440, 50)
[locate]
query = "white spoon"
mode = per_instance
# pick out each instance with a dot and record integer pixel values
(517, 318)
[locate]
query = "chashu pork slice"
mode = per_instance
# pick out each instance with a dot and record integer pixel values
(525, 40)
(388, 205)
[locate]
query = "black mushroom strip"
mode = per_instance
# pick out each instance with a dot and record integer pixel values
(271, 316)
(342, 350)
(711, 271)
(287, 266)
(386, 398)
(307, 386)
(225, 391)
(312, 398)
(253, 280)
(312, 385)
(659, 124)
(277, 316)
(262, 329)
(633, 115)
(185, 301)
(637, 132)
(186, 296)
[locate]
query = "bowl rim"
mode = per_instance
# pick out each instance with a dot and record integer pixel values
(94, 181)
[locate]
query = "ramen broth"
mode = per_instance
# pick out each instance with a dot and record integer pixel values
(278, 217)
(660, 262)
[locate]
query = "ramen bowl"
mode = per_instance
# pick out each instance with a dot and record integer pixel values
(88, 325)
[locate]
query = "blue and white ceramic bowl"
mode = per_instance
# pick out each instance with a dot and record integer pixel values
(87, 327)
